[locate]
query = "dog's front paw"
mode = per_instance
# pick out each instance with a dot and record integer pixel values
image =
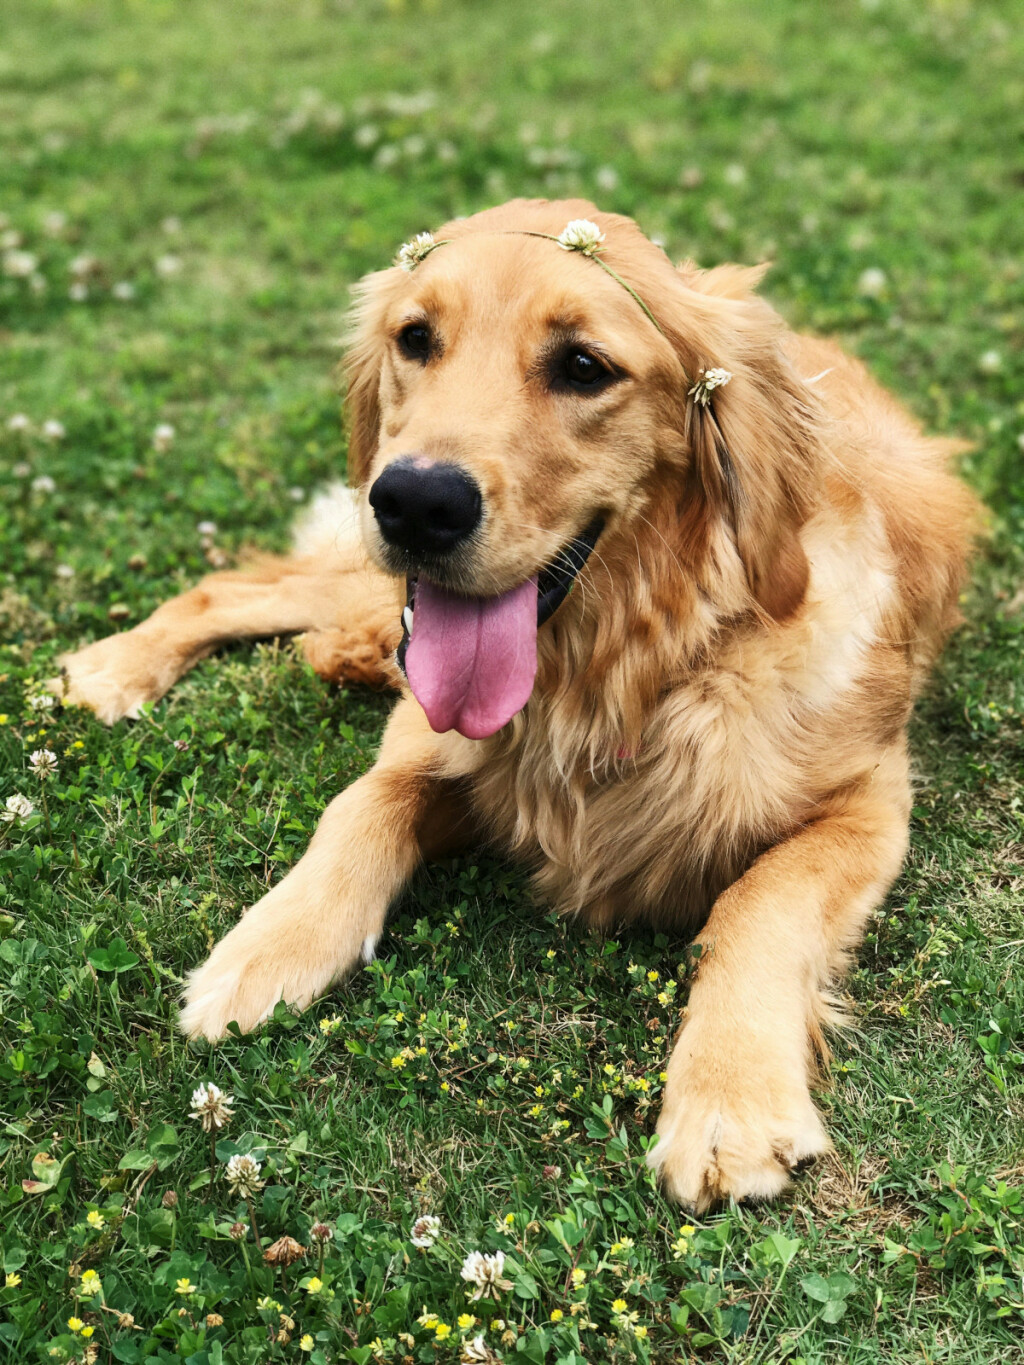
(729, 1133)
(285, 948)
(112, 677)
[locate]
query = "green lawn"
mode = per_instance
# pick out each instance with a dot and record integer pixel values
(187, 190)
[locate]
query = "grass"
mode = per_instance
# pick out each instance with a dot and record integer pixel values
(238, 165)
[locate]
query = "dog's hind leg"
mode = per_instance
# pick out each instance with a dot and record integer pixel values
(341, 600)
(327, 914)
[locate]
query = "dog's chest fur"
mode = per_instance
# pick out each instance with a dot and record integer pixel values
(731, 755)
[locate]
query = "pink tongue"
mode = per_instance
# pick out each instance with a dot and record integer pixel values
(471, 661)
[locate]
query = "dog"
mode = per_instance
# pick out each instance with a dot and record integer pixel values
(658, 580)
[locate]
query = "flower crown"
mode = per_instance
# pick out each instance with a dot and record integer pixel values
(586, 238)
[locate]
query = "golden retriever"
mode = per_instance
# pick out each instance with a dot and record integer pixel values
(709, 733)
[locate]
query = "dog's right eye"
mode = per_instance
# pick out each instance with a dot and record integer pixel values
(414, 342)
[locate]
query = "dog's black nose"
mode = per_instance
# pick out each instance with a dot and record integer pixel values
(425, 508)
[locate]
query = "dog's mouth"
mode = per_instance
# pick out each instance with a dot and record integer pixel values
(471, 661)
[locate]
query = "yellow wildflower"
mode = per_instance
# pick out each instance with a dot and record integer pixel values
(442, 1330)
(557, 1315)
(91, 1284)
(305, 1342)
(87, 1332)
(653, 976)
(619, 1306)
(579, 1278)
(184, 1286)
(11, 1281)
(315, 1285)
(75, 1324)
(397, 1061)
(94, 1218)
(466, 1321)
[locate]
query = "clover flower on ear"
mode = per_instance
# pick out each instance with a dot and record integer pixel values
(411, 253)
(581, 235)
(709, 379)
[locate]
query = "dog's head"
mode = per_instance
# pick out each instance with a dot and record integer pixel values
(511, 404)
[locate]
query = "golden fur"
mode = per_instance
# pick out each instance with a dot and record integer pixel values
(716, 737)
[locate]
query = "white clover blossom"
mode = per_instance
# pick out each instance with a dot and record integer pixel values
(42, 483)
(581, 235)
(167, 266)
(711, 379)
(42, 763)
(486, 1271)
(123, 290)
(18, 265)
(411, 253)
(206, 528)
(83, 266)
(19, 422)
(163, 435)
(871, 283)
(54, 223)
(211, 1106)
(425, 1231)
(41, 701)
(54, 430)
(64, 571)
(17, 807)
(79, 292)
(243, 1176)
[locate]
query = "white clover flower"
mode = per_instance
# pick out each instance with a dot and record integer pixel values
(11, 239)
(211, 1107)
(54, 430)
(54, 223)
(42, 763)
(17, 807)
(79, 292)
(709, 380)
(297, 494)
(206, 528)
(123, 290)
(607, 178)
(990, 362)
(21, 470)
(42, 483)
(64, 571)
(167, 266)
(366, 136)
(19, 264)
(734, 174)
(871, 282)
(425, 1231)
(486, 1271)
(19, 422)
(411, 253)
(42, 701)
(243, 1176)
(171, 226)
(581, 235)
(81, 267)
(163, 435)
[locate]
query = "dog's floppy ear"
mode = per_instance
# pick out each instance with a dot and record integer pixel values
(757, 444)
(365, 344)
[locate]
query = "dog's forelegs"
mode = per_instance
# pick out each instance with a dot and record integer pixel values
(738, 1114)
(326, 915)
(115, 676)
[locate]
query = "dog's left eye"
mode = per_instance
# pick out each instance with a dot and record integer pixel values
(581, 370)
(415, 341)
